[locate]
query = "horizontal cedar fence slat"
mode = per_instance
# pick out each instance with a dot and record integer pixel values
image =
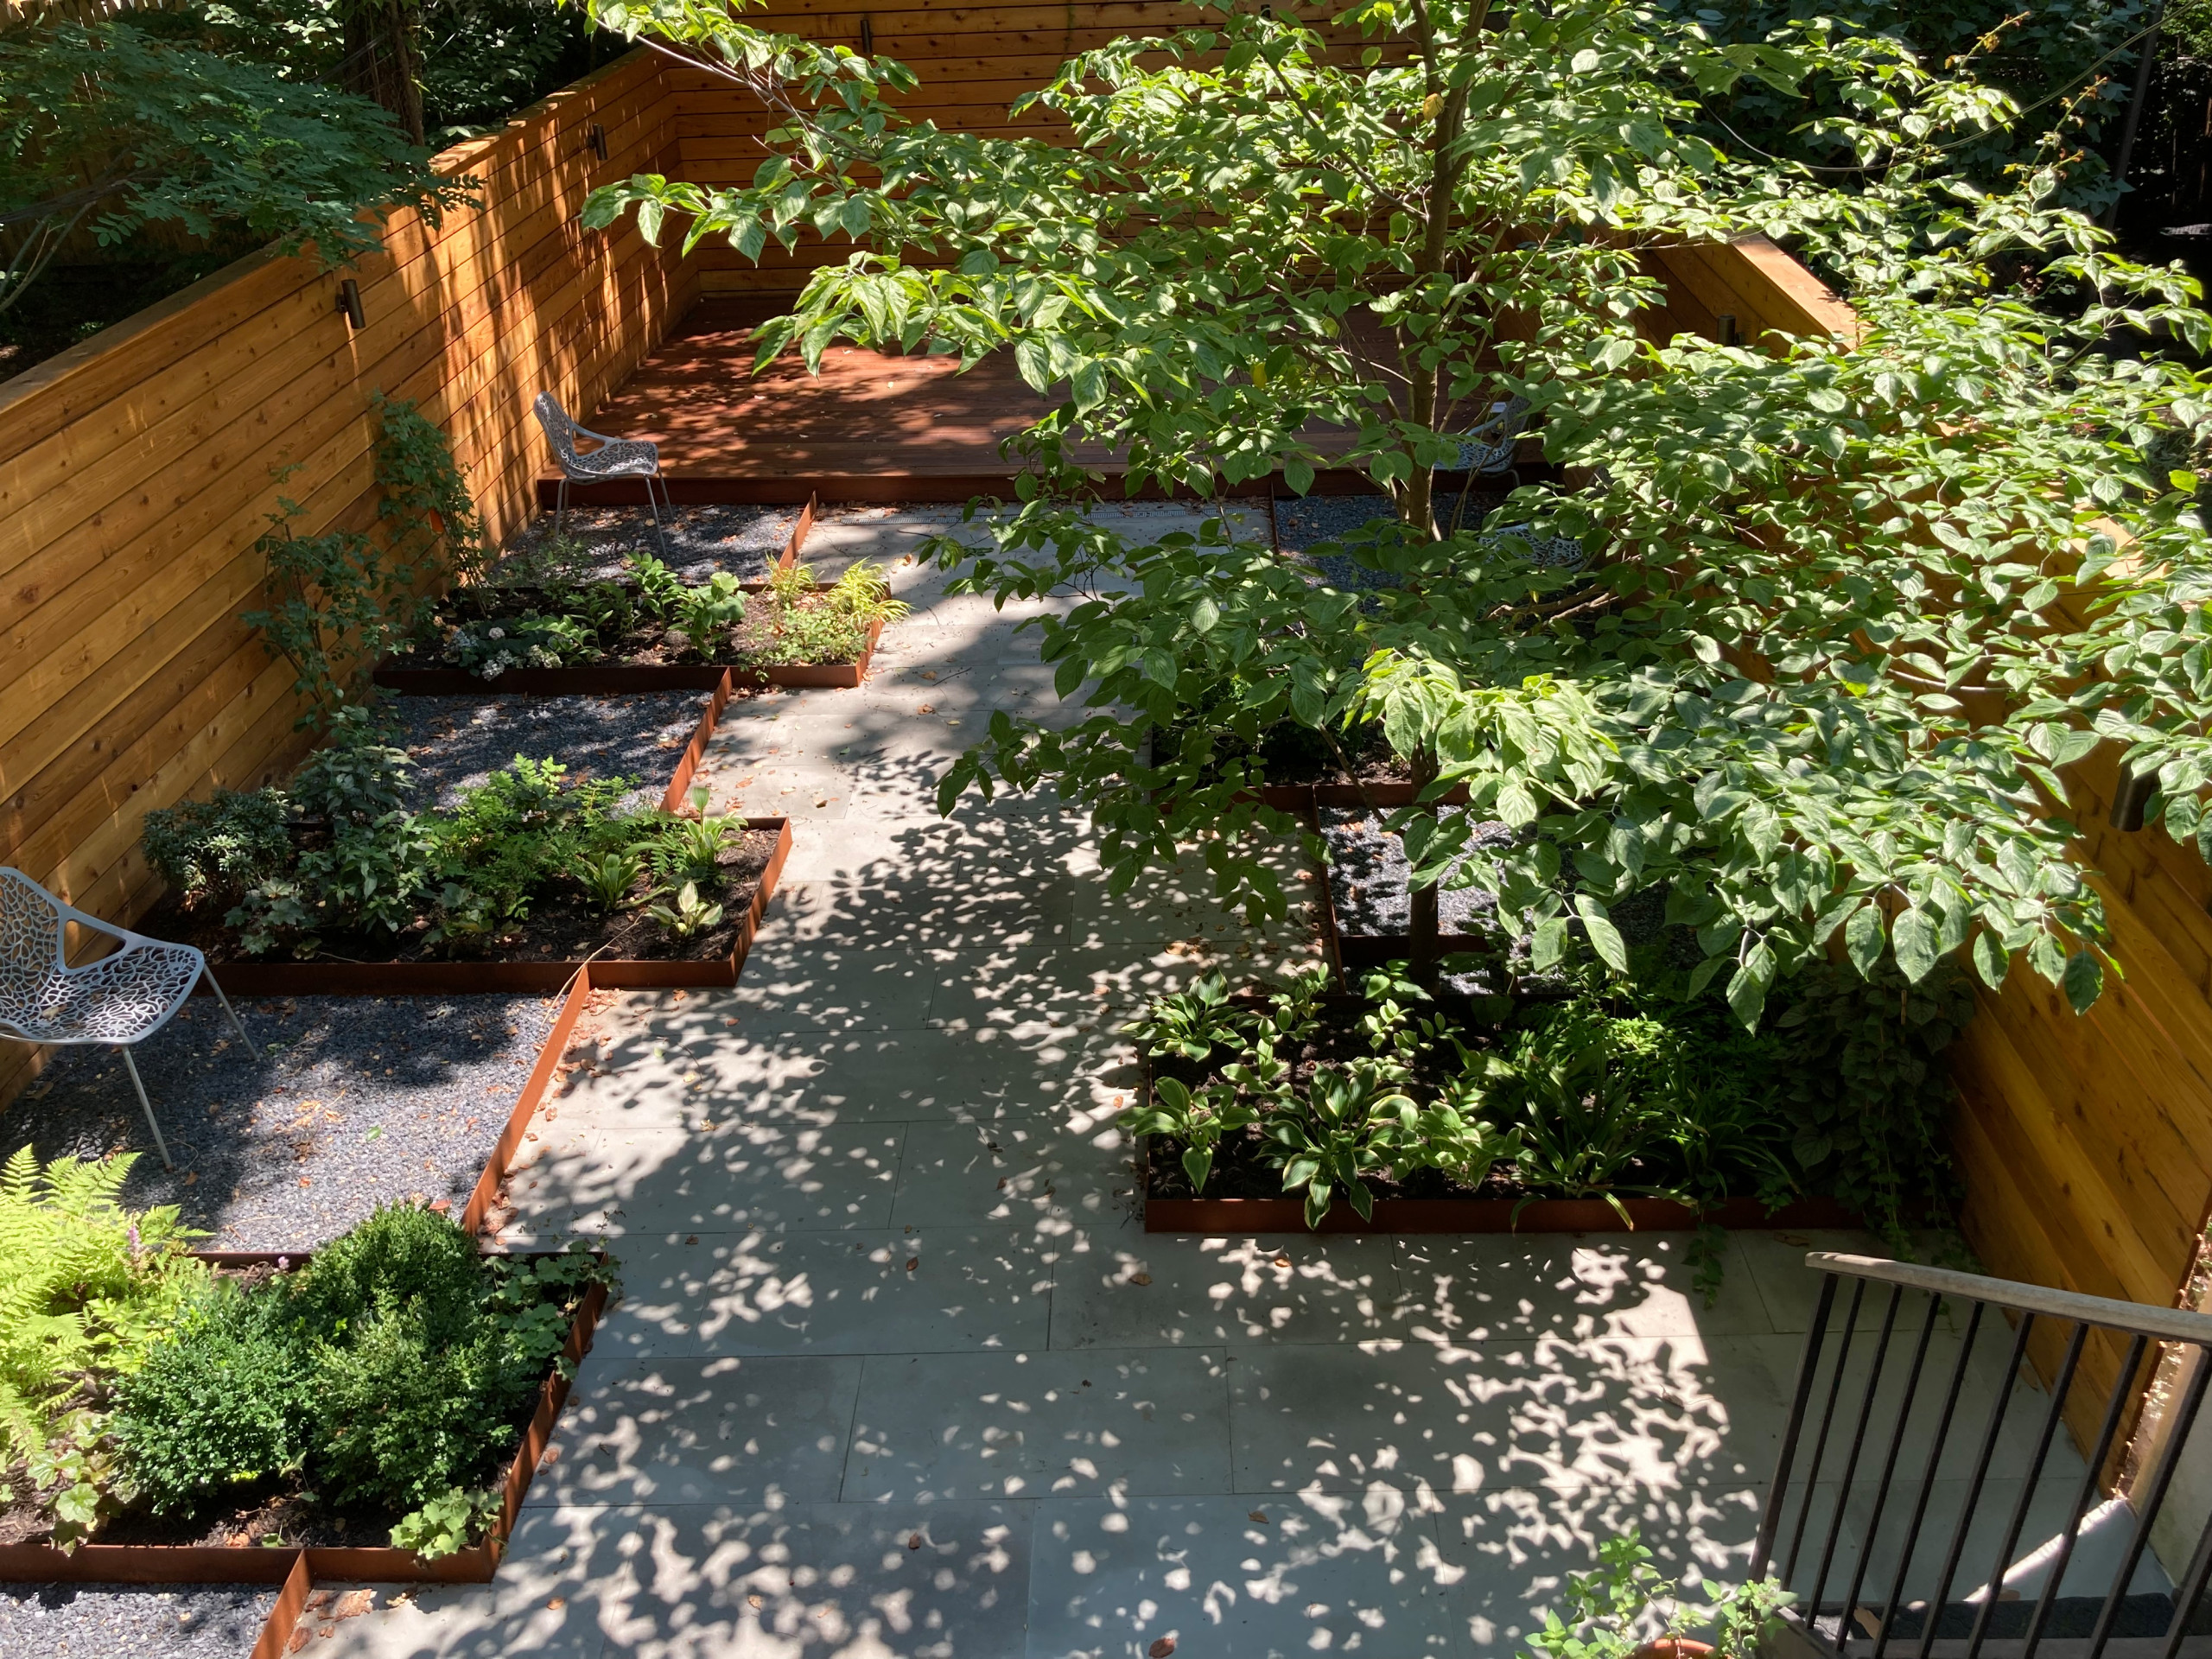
(135, 476)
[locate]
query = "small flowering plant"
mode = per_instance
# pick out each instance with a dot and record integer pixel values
(490, 649)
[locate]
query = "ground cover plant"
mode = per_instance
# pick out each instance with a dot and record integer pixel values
(1845, 606)
(373, 1392)
(541, 613)
(526, 863)
(1586, 1085)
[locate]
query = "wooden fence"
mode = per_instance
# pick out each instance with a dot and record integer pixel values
(136, 470)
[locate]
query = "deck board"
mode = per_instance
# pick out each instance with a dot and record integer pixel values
(872, 425)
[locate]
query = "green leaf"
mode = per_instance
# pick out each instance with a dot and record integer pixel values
(1605, 937)
(1991, 960)
(1864, 937)
(1747, 989)
(1914, 938)
(2084, 981)
(1549, 945)
(1198, 1164)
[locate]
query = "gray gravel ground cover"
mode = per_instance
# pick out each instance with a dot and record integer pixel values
(743, 540)
(1368, 877)
(124, 1621)
(457, 742)
(354, 1101)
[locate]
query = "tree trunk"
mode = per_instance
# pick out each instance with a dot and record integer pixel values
(381, 63)
(1421, 901)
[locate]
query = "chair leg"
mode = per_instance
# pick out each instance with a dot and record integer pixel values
(560, 503)
(237, 1024)
(159, 1144)
(660, 535)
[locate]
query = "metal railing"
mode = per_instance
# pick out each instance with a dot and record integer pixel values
(1854, 1440)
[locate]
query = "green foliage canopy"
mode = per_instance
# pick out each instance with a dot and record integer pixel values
(1844, 609)
(102, 124)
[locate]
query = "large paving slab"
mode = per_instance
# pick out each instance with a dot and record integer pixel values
(896, 1370)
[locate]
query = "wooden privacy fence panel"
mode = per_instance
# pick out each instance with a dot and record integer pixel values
(136, 470)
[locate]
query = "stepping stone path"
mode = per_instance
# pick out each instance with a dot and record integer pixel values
(897, 1370)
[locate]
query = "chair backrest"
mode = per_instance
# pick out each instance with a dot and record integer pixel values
(560, 430)
(31, 923)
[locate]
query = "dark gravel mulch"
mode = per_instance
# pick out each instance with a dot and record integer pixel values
(458, 742)
(1368, 879)
(745, 540)
(124, 1621)
(363, 1100)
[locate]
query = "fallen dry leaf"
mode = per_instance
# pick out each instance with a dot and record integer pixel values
(1260, 1515)
(1162, 1648)
(557, 1603)
(354, 1603)
(913, 1261)
(753, 1601)
(926, 709)
(913, 1541)
(1282, 1259)
(1140, 1278)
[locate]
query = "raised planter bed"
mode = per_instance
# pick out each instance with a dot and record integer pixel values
(332, 978)
(213, 1564)
(612, 678)
(1509, 1212)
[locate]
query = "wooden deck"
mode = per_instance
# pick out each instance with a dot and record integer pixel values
(871, 426)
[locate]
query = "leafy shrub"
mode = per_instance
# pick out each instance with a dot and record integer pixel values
(387, 1373)
(84, 1286)
(221, 1401)
(409, 1402)
(1866, 1086)
(214, 849)
(403, 1253)
(358, 777)
(447, 1524)
(707, 610)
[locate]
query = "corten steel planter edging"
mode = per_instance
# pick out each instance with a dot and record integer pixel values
(592, 679)
(219, 1564)
(321, 978)
(1242, 1215)
(815, 676)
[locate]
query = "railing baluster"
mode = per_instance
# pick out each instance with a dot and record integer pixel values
(2147, 1513)
(2115, 1408)
(1851, 1462)
(2191, 1589)
(2060, 1389)
(1820, 1441)
(1873, 1527)
(1808, 1363)
(1951, 1556)
(1928, 1484)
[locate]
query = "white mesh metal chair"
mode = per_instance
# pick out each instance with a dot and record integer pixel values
(637, 458)
(122, 999)
(1486, 451)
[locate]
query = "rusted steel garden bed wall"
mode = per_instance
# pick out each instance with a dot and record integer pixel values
(136, 472)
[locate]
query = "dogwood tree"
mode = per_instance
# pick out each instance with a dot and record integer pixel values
(1842, 608)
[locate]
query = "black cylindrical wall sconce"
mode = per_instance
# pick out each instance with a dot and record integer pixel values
(598, 141)
(349, 302)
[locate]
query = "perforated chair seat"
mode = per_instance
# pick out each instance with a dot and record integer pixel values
(121, 1000)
